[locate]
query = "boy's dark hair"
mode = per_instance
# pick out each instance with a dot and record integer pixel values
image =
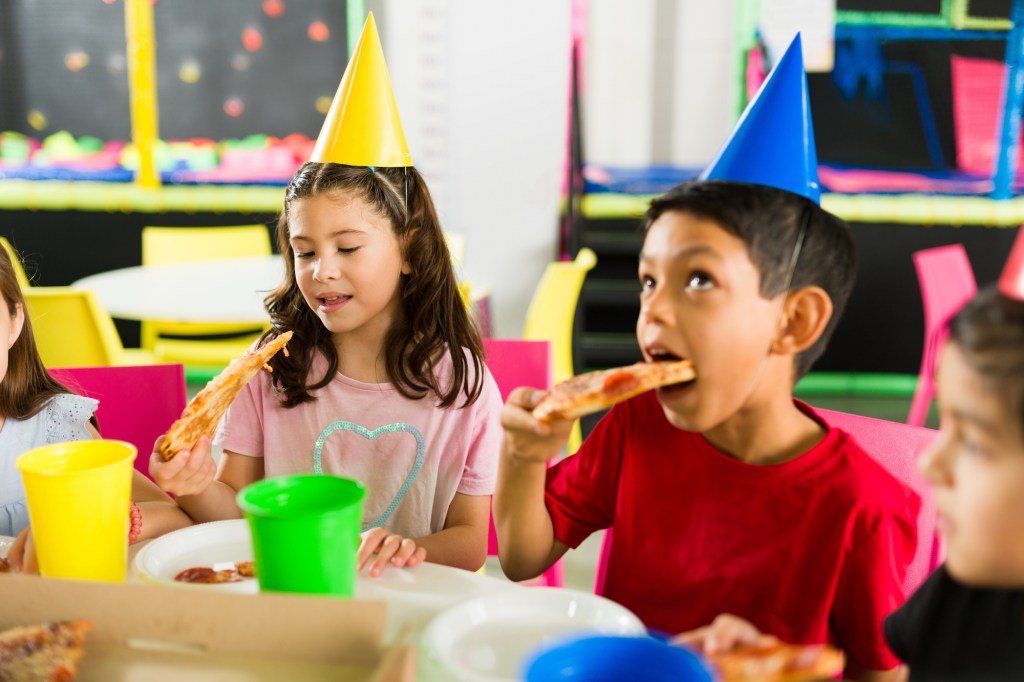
(434, 320)
(769, 220)
(989, 331)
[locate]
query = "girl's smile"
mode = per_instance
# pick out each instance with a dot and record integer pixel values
(348, 266)
(331, 303)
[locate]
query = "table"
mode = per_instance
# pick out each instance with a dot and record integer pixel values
(487, 623)
(413, 595)
(211, 291)
(215, 291)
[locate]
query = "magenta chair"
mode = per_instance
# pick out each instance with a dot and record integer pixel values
(896, 447)
(947, 283)
(514, 363)
(137, 404)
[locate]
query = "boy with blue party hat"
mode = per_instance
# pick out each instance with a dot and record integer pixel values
(725, 494)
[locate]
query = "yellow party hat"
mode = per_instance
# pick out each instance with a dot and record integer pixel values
(362, 127)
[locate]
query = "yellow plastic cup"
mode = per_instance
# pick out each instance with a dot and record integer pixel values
(78, 497)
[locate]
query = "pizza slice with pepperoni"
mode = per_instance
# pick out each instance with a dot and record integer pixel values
(43, 653)
(596, 391)
(778, 663)
(202, 414)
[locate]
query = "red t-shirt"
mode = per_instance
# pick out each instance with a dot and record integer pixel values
(812, 550)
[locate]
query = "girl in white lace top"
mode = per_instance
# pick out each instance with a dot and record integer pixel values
(36, 410)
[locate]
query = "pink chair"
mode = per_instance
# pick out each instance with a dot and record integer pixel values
(896, 447)
(947, 283)
(514, 363)
(137, 404)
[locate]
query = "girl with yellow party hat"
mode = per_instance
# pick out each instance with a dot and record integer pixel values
(385, 381)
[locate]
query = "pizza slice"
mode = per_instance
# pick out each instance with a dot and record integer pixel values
(779, 663)
(595, 391)
(201, 415)
(47, 652)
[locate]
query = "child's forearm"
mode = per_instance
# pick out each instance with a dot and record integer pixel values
(526, 540)
(159, 517)
(458, 546)
(216, 503)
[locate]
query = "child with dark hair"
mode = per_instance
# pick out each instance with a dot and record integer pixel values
(384, 381)
(967, 620)
(725, 494)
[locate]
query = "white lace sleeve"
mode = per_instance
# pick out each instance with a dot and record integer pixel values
(66, 416)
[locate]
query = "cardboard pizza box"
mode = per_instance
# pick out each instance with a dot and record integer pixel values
(153, 633)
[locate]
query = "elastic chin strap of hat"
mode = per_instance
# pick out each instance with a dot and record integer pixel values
(405, 182)
(805, 221)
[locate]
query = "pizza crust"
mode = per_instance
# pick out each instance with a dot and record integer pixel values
(45, 652)
(779, 663)
(595, 391)
(202, 414)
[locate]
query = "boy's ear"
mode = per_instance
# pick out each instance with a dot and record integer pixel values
(805, 315)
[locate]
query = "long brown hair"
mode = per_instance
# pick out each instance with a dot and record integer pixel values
(433, 321)
(27, 386)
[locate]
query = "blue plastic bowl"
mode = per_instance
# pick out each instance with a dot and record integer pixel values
(613, 659)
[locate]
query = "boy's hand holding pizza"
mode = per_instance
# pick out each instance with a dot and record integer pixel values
(725, 633)
(739, 652)
(527, 439)
(537, 423)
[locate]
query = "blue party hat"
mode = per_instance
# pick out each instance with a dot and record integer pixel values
(773, 142)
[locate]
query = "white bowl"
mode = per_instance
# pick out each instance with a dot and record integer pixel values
(205, 544)
(487, 639)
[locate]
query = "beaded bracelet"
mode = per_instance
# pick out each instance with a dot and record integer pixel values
(136, 517)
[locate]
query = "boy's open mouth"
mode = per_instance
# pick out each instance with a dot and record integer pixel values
(661, 355)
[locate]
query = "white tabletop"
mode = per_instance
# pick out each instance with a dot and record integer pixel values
(225, 291)
(218, 291)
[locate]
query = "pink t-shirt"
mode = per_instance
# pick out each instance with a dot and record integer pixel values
(412, 455)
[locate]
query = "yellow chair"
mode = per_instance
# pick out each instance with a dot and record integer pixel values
(551, 315)
(72, 329)
(19, 269)
(466, 294)
(170, 341)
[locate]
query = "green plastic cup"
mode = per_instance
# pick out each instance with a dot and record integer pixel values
(305, 532)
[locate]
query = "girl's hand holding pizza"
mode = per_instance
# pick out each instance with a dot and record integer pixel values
(190, 472)
(380, 547)
(526, 437)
